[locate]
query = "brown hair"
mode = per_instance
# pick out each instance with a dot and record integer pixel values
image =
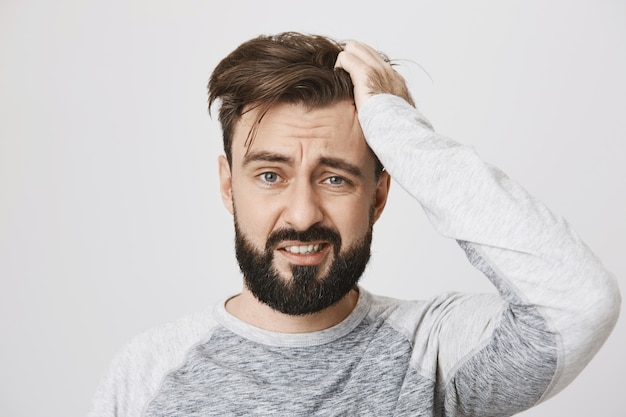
(288, 68)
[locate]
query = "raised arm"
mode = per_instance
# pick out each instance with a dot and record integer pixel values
(558, 303)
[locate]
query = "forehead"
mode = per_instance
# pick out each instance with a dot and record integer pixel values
(299, 131)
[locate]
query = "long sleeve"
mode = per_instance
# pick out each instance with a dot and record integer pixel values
(559, 302)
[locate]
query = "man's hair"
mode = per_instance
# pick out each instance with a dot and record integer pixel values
(288, 67)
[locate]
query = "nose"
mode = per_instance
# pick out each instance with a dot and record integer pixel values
(302, 207)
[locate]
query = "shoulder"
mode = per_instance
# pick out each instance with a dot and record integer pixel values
(151, 354)
(136, 372)
(410, 315)
(171, 337)
(448, 326)
(427, 322)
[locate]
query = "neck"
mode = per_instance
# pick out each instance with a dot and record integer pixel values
(250, 310)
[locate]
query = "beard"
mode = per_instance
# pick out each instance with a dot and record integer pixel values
(305, 292)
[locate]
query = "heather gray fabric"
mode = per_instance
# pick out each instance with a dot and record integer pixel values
(454, 355)
(360, 373)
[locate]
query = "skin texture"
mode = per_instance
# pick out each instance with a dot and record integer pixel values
(306, 167)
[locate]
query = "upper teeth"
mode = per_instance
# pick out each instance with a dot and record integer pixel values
(303, 249)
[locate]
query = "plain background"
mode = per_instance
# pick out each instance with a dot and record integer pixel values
(110, 216)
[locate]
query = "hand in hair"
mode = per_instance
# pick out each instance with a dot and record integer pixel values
(371, 73)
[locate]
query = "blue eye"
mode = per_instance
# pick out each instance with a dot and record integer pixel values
(269, 177)
(336, 180)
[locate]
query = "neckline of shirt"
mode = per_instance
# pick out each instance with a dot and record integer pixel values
(316, 338)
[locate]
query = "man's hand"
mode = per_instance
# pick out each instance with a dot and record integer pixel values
(371, 73)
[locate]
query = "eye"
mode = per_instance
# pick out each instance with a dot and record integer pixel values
(335, 180)
(269, 177)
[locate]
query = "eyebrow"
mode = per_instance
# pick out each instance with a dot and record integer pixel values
(337, 163)
(265, 156)
(343, 165)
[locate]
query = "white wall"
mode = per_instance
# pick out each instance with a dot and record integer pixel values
(110, 219)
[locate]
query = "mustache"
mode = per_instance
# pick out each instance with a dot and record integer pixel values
(314, 233)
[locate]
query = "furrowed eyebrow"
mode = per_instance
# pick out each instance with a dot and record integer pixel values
(337, 163)
(342, 165)
(265, 157)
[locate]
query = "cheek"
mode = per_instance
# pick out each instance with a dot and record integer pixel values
(256, 221)
(352, 221)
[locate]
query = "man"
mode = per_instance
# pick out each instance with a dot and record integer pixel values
(308, 126)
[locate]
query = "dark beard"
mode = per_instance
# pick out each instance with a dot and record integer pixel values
(305, 292)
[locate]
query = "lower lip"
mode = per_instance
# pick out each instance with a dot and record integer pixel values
(305, 259)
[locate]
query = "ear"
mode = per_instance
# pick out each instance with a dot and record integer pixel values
(226, 183)
(382, 191)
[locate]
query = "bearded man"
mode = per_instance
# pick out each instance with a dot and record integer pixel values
(308, 125)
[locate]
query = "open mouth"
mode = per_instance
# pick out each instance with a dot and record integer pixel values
(304, 249)
(305, 253)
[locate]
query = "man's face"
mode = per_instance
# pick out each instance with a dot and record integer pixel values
(305, 197)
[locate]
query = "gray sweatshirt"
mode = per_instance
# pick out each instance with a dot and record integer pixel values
(453, 355)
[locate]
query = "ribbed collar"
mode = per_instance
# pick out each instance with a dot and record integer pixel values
(317, 338)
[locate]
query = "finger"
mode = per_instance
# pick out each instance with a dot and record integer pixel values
(370, 72)
(359, 73)
(367, 54)
(352, 63)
